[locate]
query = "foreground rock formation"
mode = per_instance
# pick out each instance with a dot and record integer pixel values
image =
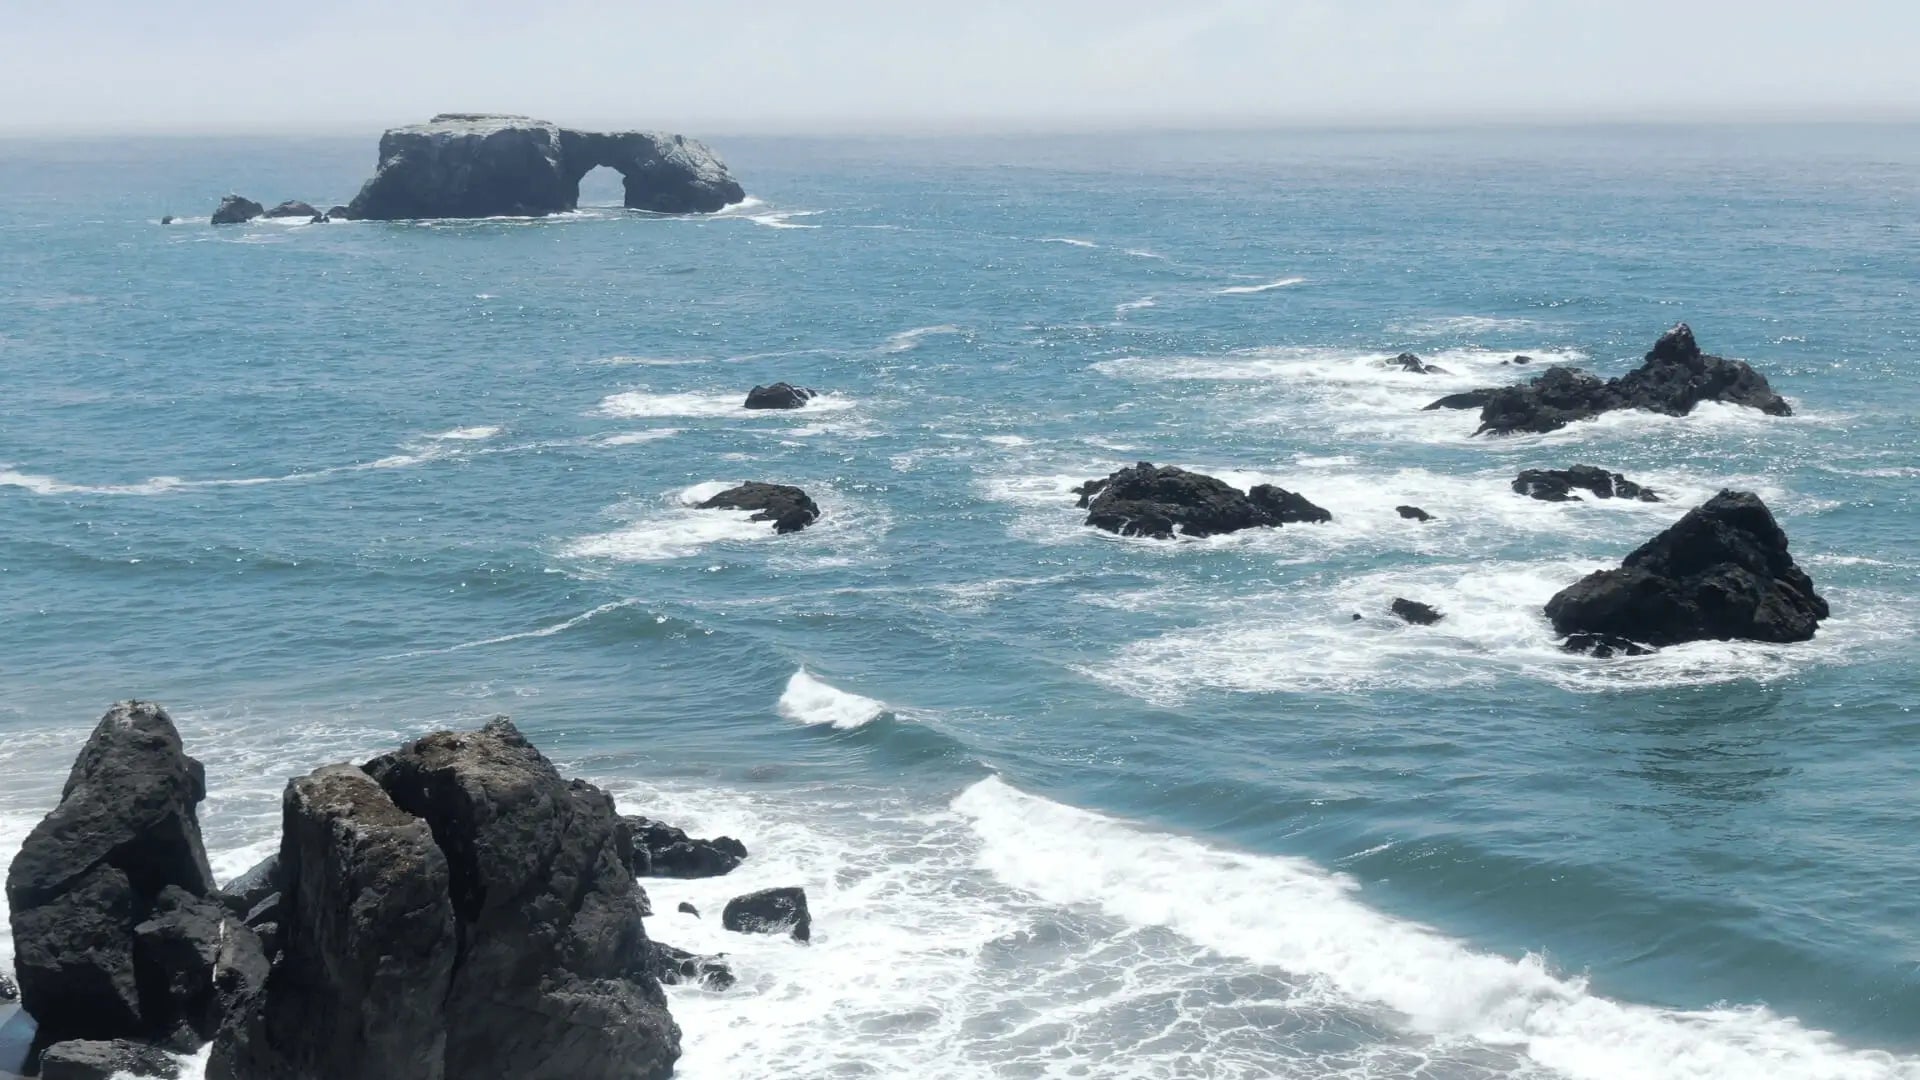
(789, 508)
(1557, 485)
(660, 850)
(103, 884)
(1722, 572)
(780, 395)
(1674, 378)
(465, 165)
(1162, 501)
(455, 908)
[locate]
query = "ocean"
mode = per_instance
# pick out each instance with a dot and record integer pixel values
(1065, 804)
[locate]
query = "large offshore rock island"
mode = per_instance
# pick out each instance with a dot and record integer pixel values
(468, 165)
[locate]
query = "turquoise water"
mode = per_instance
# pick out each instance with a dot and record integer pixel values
(1067, 805)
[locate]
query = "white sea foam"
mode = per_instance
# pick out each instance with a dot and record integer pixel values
(642, 404)
(783, 219)
(1291, 914)
(466, 434)
(630, 438)
(809, 701)
(560, 627)
(1006, 440)
(1242, 290)
(1143, 253)
(649, 361)
(673, 528)
(1069, 241)
(910, 339)
(1121, 309)
(1465, 324)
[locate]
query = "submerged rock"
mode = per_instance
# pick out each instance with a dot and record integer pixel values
(660, 850)
(1415, 612)
(1722, 572)
(1557, 485)
(1674, 377)
(464, 165)
(672, 966)
(1413, 513)
(85, 1059)
(770, 911)
(235, 210)
(1604, 646)
(1160, 501)
(292, 208)
(1406, 361)
(167, 219)
(91, 872)
(688, 909)
(1466, 399)
(780, 395)
(789, 508)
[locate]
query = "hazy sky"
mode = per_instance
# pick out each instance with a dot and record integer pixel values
(722, 66)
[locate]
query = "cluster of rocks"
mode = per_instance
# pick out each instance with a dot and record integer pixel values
(455, 908)
(1674, 378)
(1164, 501)
(788, 508)
(1558, 485)
(238, 210)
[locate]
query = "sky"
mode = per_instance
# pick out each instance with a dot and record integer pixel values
(751, 66)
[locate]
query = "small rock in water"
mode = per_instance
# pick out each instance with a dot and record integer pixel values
(1466, 399)
(781, 395)
(235, 210)
(789, 508)
(1556, 485)
(770, 911)
(8, 991)
(292, 208)
(1406, 361)
(1522, 360)
(87, 1059)
(1604, 646)
(1413, 513)
(1415, 612)
(167, 220)
(689, 909)
(671, 965)
(1357, 616)
(1164, 501)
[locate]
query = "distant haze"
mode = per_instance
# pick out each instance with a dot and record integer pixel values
(727, 66)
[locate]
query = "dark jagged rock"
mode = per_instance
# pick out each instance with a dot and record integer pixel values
(550, 978)
(1406, 361)
(770, 911)
(125, 831)
(1604, 646)
(174, 952)
(464, 165)
(235, 210)
(1521, 360)
(9, 992)
(1722, 572)
(339, 213)
(1466, 399)
(787, 507)
(167, 220)
(1674, 377)
(660, 850)
(646, 902)
(688, 909)
(82, 1059)
(671, 965)
(292, 208)
(780, 395)
(368, 944)
(256, 884)
(317, 219)
(1413, 513)
(1160, 501)
(1415, 612)
(1557, 485)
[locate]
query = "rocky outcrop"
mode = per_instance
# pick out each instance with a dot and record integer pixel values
(455, 909)
(770, 911)
(245, 892)
(465, 165)
(235, 210)
(780, 395)
(1164, 501)
(293, 208)
(85, 1059)
(1413, 513)
(1674, 378)
(673, 966)
(1557, 485)
(1722, 572)
(339, 213)
(120, 850)
(1604, 646)
(1415, 612)
(789, 508)
(660, 850)
(167, 220)
(1406, 361)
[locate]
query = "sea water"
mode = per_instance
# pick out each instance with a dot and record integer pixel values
(1065, 805)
